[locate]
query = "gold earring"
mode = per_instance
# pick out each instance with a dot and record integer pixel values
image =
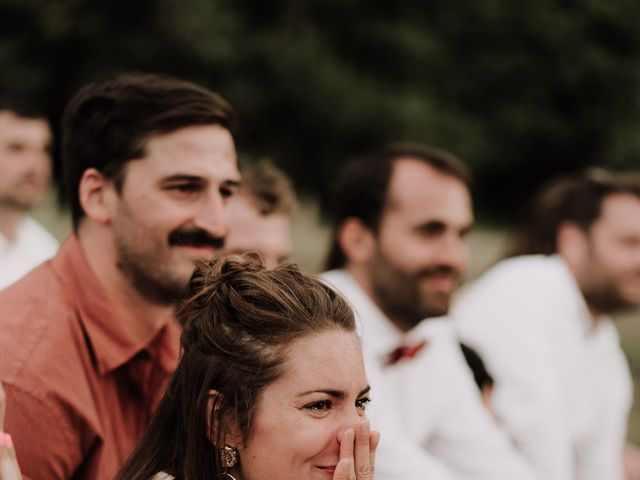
(228, 457)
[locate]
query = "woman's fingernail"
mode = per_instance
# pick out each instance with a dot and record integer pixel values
(8, 440)
(3, 440)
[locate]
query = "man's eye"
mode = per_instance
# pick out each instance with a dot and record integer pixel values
(16, 147)
(321, 406)
(362, 403)
(226, 192)
(185, 188)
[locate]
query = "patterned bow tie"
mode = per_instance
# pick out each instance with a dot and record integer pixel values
(404, 352)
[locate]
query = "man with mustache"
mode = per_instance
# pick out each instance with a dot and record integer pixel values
(402, 217)
(541, 322)
(89, 337)
(25, 168)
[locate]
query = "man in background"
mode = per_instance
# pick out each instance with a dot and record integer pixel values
(89, 338)
(540, 320)
(260, 214)
(402, 219)
(25, 168)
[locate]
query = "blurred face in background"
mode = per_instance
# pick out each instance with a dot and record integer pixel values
(421, 248)
(606, 259)
(25, 162)
(252, 230)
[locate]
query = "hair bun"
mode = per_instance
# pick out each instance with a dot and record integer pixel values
(214, 274)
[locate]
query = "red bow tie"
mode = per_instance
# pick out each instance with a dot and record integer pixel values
(404, 352)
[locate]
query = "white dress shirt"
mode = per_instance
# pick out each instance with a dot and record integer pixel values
(31, 246)
(562, 385)
(427, 409)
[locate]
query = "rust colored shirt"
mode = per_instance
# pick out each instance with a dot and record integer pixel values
(80, 385)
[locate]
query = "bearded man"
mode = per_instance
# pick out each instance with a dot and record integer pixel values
(541, 322)
(403, 215)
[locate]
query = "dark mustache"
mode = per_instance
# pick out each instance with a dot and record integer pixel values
(197, 238)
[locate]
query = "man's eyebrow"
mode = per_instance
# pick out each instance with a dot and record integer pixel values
(232, 182)
(182, 178)
(334, 393)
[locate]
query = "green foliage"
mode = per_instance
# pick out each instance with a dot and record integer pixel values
(519, 90)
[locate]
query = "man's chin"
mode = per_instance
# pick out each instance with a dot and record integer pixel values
(19, 204)
(197, 253)
(436, 306)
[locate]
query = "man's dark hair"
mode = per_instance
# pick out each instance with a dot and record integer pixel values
(19, 106)
(573, 199)
(108, 123)
(361, 190)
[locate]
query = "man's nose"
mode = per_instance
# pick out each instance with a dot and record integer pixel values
(453, 251)
(212, 216)
(35, 160)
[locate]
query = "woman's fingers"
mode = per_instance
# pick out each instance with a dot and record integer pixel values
(344, 468)
(357, 453)
(364, 466)
(8, 465)
(374, 441)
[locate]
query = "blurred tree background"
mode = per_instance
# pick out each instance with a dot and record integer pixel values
(520, 90)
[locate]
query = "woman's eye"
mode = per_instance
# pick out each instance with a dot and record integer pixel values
(321, 406)
(362, 403)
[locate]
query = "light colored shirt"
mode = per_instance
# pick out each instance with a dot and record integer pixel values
(428, 409)
(31, 246)
(80, 382)
(562, 385)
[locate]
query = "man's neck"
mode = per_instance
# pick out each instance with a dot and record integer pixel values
(99, 249)
(10, 220)
(595, 314)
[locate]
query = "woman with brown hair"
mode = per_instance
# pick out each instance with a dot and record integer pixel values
(270, 386)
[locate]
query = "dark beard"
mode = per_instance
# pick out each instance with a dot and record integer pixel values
(399, 296)
(607, 301)
(159, 292)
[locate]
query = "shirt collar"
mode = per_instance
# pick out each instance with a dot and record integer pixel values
(108, 325)
(379, 334)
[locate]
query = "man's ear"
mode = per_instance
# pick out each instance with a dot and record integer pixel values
(572, 243)
(356, 240)
(97, 195)
(231, 435)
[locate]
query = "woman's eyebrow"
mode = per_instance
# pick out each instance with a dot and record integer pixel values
(334, 393)
(331, 393)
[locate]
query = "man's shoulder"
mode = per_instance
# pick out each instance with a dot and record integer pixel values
(525, 268)
(40, 334)
(520, 277)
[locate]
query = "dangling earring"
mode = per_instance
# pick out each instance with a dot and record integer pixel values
(228, 458)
